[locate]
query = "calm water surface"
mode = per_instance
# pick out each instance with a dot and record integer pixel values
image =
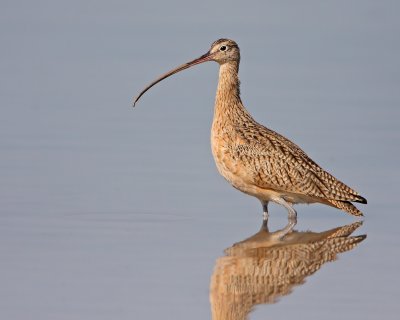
(112, 213)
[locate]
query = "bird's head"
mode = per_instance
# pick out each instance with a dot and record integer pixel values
(224, 50)
(221, 51)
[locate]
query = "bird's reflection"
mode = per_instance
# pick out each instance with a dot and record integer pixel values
(266, 266)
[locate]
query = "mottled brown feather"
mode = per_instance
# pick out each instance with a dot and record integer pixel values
(259, 161)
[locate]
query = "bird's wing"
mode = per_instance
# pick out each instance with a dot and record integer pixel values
(275, 162)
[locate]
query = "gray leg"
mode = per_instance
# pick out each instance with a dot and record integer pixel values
(292, 214)
(280, 234)
(265, 210)
(292, 218)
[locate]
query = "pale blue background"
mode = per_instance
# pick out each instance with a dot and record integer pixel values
(109, 212)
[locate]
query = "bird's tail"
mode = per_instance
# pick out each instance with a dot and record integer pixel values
(346, 206)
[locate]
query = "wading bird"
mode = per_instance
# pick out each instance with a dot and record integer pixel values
(257, 160)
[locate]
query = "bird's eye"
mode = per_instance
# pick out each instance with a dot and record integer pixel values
(223, 48)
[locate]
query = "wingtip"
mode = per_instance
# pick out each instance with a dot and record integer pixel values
(360, 237)
(362, 200)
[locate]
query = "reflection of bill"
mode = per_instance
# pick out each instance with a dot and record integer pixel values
(265, 267)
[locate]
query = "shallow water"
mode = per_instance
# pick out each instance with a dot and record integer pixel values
(112, 213)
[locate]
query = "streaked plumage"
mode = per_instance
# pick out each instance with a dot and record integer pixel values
(257, 160)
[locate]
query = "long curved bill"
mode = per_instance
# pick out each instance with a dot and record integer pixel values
(204, 58)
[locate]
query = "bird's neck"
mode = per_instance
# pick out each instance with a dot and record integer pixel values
(228, 83)
(228, 105)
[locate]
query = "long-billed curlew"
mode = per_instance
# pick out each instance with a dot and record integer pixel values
(257, 160)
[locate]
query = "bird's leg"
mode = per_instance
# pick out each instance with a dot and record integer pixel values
(265, 210)
(292, 214)
(280, 234)
(292, 217)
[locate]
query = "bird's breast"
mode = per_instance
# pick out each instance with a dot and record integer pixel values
(223, 142)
